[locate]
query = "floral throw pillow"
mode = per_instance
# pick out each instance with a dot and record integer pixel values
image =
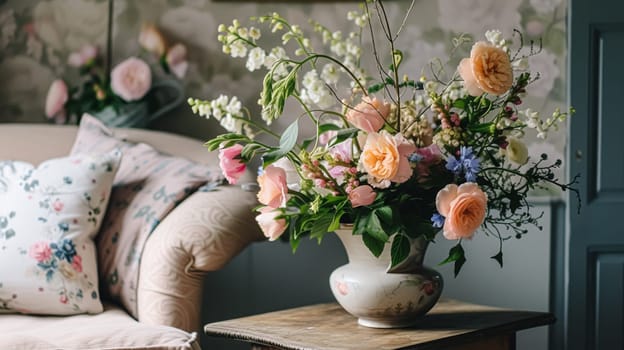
(147, 187)
(49, 216)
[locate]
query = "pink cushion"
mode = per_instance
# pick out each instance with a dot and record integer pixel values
(148, 185)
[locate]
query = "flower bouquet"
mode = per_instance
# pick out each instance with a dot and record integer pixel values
(400, 157)
(118, 97)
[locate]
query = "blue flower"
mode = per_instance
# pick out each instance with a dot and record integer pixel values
(437, 220)
(467, 165)
(415, 158)
(66, 249)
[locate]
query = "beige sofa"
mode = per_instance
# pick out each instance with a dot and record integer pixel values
(202, 234)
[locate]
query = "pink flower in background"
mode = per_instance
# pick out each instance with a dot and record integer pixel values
(55, 101)
(131, 79)
(325, 137)
(57, 205)
(231, 165)
(430, 156)
(273, 187)
(40, 251)
(63, 299)
(343, 151)
(369, 115)
(271, 227)
(464, 208)
(77, 263)
(151, 39)
(176, 60)
(362, 195)
(86, 55)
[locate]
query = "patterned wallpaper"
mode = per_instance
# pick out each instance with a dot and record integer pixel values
(36, 37)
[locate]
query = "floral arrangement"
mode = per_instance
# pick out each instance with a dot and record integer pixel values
(129, 81)
(395, 155)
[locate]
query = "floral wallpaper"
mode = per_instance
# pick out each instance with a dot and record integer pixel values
(37, 36)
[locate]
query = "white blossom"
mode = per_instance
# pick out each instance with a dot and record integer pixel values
(255, 60)
(238, 49)
(330, 74)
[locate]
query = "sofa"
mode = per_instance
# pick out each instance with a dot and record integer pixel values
(201, 234)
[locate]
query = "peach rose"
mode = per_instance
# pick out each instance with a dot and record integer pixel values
(362, 195)
(273, 188)
(57, 96)
(131, 79)
(151, 40)
(463, 207)
(385, 159)
(488, 69)
(231, 166)
(369, 115)
(271, 227)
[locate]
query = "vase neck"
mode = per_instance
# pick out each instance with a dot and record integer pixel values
(357, 252)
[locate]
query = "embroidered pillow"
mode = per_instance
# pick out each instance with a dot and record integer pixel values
(147, 187)
(49, 216)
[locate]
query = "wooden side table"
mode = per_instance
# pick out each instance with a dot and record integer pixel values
(450, 325)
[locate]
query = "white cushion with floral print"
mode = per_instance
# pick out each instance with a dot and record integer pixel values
(48, 218)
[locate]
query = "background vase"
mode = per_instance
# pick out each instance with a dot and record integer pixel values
(379, 297)
(162, 97)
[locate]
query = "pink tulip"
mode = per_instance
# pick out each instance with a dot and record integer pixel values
(271, 227)
(176, 60)
(362, 196)
(231, 165)
(57, 96)
(131, 79)
(273, 187)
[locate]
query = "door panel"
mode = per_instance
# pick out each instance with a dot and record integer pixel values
(594, 249)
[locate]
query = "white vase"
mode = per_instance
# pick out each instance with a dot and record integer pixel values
(379, 297)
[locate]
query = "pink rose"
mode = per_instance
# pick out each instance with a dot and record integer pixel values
(271, 227)
(343, 151)
(77, 263)
(131, 79)
(55, 101)
(362, 196)
(463, 207)
(40, 251)
(176, 60)
(86, 55)
(385, 159)
(369, 115)
(273, 187)
(431, 156)
(231, 165)
(151, 40)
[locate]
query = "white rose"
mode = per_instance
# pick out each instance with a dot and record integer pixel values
(516, 151)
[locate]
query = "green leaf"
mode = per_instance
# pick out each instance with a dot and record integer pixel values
(374, 229)
(498, 257)
(385, 214)
(335, 224)
(483, 128)
(400, 249)
(287, 143)
(456, 254)
(321, 226)
(375, 246)
(343, 135)
(249, 150)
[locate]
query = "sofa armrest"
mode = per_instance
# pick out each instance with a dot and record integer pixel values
(202, 234)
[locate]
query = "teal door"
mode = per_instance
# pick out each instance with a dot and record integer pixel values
(593, 313)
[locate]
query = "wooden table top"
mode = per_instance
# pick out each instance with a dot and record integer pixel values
(328, 326)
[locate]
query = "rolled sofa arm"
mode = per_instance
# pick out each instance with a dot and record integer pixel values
(201, 234)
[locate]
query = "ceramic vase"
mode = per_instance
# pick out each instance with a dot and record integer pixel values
(381, 297)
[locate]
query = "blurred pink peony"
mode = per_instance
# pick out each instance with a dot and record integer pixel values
(176, 60)
(55, 102)
(131, 79)
(231, 166)
(151, 39)
(271, 227)
(87, 54)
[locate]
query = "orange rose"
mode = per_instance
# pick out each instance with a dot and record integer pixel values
(463, 207)
(488, 69)
(384, 158)
(369, 115)
(273, 188)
